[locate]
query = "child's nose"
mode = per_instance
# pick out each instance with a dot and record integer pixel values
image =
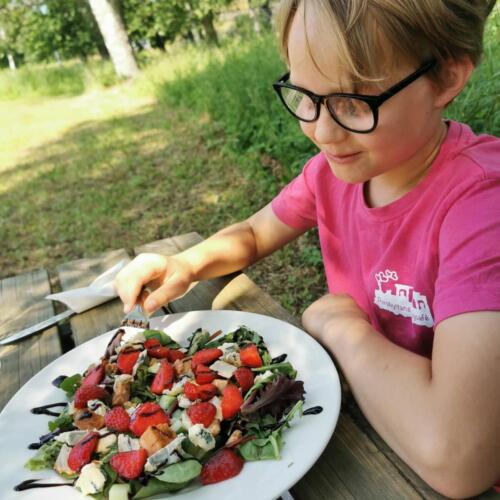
(327, 130)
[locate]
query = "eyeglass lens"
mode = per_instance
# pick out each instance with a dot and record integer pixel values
(350, 112)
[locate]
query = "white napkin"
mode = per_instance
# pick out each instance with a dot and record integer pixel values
(99, 291)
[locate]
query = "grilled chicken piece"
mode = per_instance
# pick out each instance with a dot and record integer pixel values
(182, 367)
(121, 390)
(86, 420)
(156, 437)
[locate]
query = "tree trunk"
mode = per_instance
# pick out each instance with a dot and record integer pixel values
(109, 20)
(208, 26)
(12, 62)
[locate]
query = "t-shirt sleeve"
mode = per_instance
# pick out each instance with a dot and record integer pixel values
(469, 254)
(295, 205)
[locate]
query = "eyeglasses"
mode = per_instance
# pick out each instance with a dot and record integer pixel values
(354, 112)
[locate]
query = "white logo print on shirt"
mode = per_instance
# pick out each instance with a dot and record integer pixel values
(403, 302)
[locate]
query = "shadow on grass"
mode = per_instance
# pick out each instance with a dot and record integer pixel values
(111, 184)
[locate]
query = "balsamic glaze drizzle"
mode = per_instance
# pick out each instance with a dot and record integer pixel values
(32, 483)
(314, 410)
(43, 410)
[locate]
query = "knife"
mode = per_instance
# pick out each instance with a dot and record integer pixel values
(43, 325)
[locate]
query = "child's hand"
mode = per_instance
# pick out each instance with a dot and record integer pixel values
(332, 315)
(167, 277)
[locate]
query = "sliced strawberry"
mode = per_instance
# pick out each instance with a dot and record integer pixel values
(147, 414)
(204, 375)
(203, 391)
(81, 453)
(202, 413)
(129, 464)
(250, 356)
(126, 361)
(152, 342)
(175, 354)
(221, 466)
(117, 419)
(231, 401)
(244, 377)
(164, 377)
(87, 392)
(205, 357)
(94, 375)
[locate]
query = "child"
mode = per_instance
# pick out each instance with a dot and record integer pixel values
(407, 208)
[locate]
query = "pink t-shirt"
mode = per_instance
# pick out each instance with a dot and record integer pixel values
(431, 254)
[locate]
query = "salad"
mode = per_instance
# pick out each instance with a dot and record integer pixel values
(152, 416)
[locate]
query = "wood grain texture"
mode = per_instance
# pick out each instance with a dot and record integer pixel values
(82, 272)
(22, 304)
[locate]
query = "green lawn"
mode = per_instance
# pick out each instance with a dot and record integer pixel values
(107, 170)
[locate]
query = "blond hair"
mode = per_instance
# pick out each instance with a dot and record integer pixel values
(370, 35)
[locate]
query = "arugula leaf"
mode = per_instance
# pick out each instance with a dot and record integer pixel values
(139, 389)
(285, 368)
(45, 457)
(70, 384)
(162, 337)
(267, 448)
(197, 340)
(274, 398)
(64, 422)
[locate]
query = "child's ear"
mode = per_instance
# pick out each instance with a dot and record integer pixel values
(453, 76)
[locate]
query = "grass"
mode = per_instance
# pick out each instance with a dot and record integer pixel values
(197, 142)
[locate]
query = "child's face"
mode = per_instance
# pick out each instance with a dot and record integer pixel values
(409, 122)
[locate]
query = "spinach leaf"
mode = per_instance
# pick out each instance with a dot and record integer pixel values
(70, 384)
(181, 472)
(156, 486)
(162, 337)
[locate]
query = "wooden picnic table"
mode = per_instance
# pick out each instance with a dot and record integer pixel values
(356, 463)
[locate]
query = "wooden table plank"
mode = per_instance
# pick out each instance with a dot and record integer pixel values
(78, 273)
(22, 304)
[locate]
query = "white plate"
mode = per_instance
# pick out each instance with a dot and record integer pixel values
(265, 480)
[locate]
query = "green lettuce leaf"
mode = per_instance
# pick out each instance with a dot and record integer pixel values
(45, 457)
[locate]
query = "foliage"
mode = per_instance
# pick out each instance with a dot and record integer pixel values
(47, 30)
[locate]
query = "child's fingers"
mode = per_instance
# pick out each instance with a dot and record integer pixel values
(174, 286)
(144, 269)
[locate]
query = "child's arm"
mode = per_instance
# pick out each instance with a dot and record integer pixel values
(229, 250)
(441, 416)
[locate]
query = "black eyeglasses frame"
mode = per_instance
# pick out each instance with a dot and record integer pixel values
(373, 101)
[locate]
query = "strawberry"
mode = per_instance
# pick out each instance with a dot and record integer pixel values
(250, 356)
(126, 361)
(147, 414)
(164, 377)
(87, 392)
(117, 419)
(204, 375)
(94, 375)
(203, 391)
(175, 354)
(152, 342)
(191, 391)
(221, 466)
(205, 357)
(244, 377)
(202, 413)
(129, 464)
(231, 401)
(81, 453)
